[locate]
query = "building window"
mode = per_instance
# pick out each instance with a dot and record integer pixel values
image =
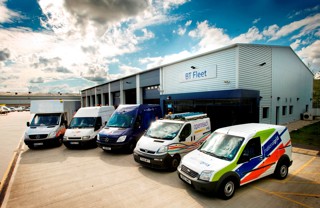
(284, 110)
(265, 112)
(291, 109)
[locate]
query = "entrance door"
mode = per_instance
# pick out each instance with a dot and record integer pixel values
(277, 115)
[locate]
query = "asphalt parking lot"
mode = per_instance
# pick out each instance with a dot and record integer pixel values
(58, 177)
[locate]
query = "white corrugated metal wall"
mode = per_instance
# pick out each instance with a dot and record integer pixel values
(255, 72)
(292, 85)
(223, 61)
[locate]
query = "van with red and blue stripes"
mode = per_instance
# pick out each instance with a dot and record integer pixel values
(236, 155)
(167, 140)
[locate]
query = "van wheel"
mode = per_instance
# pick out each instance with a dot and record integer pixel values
(227, 189)
(59, 141)
(131, 147)
(174, 163)
(281, 171)
(67, 145)
(31, 146)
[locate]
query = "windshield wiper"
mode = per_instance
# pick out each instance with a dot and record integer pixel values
(214, 155)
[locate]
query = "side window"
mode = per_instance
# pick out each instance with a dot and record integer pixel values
(99, 122)
(186, 131)
(252, 149)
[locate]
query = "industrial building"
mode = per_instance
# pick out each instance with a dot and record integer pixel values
(236, 84)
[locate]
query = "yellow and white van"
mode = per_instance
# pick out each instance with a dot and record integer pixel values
(236, 155)
(167, 140)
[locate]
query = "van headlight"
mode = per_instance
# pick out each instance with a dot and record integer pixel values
(122, 138)
(86, 137)
(163, 149)
(98, 137)
(206, 175)
(52, 134)
(26, 136)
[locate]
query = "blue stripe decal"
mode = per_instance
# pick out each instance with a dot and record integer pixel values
(271, 144)
(243, 169)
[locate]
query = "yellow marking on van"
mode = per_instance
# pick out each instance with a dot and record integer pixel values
(199, 130)
(280, 196)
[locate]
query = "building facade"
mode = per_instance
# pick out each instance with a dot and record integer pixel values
(237, 84)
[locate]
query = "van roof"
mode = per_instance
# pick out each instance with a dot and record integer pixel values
(249, 129)
(92, 111)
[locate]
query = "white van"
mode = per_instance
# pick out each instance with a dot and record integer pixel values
(86, 124)
(166, 140)
(49, 122)
(236, 155)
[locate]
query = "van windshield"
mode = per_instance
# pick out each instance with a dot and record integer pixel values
(223, 146)
(45, 119)
(82, 122)
(163, 130)
(123, 119)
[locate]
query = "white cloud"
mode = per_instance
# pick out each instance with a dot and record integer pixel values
(307, 25)
(210, 37)
(158, 61)
(295, 44)
(252, 35)
(255, 21)
(84, 38)
(182, 30)
(7, 15)
(188, 23)
(167, 4)
(311, 55)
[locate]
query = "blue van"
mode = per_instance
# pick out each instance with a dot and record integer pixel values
(126, 125)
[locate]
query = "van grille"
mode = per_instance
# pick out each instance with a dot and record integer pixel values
(38, 136)
(105, 139)
(77, 138)
(189, 172)
(147, 151)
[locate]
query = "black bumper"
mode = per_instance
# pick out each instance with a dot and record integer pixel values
(199, 185)
(41, 142)
(79, 142)
(112, 146)
(154, 161)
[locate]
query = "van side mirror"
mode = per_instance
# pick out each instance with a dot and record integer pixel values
(137, 125)
(28, 124)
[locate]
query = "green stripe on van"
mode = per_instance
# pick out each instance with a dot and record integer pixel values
(264, 135)
(228, 168)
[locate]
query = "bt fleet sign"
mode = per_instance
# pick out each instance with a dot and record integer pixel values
(199, 74)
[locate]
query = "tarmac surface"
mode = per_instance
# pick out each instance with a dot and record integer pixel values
(59, 177)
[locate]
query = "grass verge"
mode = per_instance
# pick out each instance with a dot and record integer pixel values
(307, 136)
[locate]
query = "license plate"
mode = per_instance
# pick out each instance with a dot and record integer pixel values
(38, 144)
(74, 142)
(144, 159)
(106, 148)
(185, 179)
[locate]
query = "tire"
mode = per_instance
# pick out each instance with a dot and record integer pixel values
(67, 145)
(282, 170)
(131, 147)
(59, 141)
(174, 163)
(31, 146)
(227, 189)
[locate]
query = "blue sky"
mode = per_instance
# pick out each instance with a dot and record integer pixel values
(70, 45)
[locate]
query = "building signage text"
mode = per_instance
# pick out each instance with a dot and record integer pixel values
(199, 74)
